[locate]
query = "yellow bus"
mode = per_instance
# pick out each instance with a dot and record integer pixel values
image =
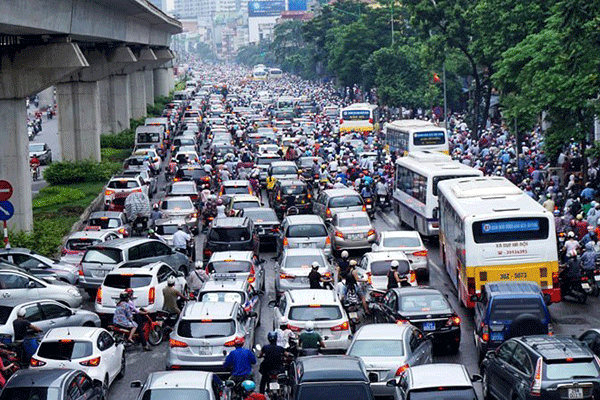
(359, 117)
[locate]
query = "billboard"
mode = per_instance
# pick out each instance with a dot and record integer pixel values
(297, 5)
(265, 8)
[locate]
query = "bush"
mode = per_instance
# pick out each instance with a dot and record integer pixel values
(80, 171)
(53, 195)
(121, 140)
(48, 231)
(114, 155)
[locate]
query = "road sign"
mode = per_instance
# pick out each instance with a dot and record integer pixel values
(438, 111)
(6, 210)
(6, 190)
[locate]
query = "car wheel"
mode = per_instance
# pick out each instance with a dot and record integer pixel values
(121, 373)
(155, 336)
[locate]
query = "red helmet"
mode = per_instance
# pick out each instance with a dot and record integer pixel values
(238, 341)
(129, 292)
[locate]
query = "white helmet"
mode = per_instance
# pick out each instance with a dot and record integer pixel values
(199, 265)
(309, 326)
(171, 280)
(395, 264)
(315, 265)
(344, 254)
(283, 321)
(21, 313)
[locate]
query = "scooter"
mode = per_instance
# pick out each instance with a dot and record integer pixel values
(352, 306)
(152, 331)
(574, 288)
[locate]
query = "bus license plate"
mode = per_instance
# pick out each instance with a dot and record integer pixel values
(585, 285)
(576, 393)
(429, 326)
(275, 386)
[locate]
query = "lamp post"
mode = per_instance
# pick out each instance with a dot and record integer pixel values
(392, 19)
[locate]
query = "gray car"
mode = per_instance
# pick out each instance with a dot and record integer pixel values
(21, 286)
(332, 201)
(180, 207)
(114, 221)
(304, 232)
(45, 314)
(53, 384)
(388, 350)
(39, 265)
(295, 266)
(177, 385)
(352, 230)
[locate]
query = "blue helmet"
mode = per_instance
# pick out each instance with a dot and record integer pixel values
(248, 385)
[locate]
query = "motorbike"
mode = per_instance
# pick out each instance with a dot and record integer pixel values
(369, 206)
(351, 304)
(382, 202)
(139, 226)
(152, 331)
(277, 386)
(574, 288)
(593, 282)
(35, 172)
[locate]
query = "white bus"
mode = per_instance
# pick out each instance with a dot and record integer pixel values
(415, 194)
(259, 74)
(408, 135)
(275, 73)
(359, 117)
(490, 231)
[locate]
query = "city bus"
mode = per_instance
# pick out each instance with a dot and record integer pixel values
(359, 117)
(408, 135)
(490, 231)
(259, 74)
(275, 73)
(415, 193)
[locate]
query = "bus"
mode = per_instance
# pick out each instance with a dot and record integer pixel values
(408, 135)
(259, 75)
(415, 193)
(275, 73)
(359, 117)
(490, 231)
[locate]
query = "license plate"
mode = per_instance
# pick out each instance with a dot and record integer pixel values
(575, 393)
(353, 315)
(355, 236)
(275, 386)
(308, 245)
(497, 336)
(597, 278)
(99, 272)
(429, 326)
(585, 285)
(204, 351)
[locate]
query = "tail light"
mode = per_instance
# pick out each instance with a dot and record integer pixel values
(536, 385)
(286, 242)
(413, 276)
(193, 215)
(309, 196)
(36, 363)
(177, 343)
(550, 330)
(80, 269)
(364, 208)
(370, 120)
(294, 328)
(231, 343)
(485, 336)
(422, 253)
(328, 212)
(286, 276)
(341, 327)
(327, 240)
(278, 198)
(275, 229)
(108, 192)
(401, 369)
(339, 234)
(555, 283)
(151, 295)
(370, 278)
(207, 252)
(371, 232)
(471, 286)
(137, 190)
(341, 121)
(94, 362)
(99, 296)
(453, 321)
(252, 277)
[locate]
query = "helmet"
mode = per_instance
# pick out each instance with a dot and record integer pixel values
(579, 217)
(395, 264)
(353, 263)
(272, 336)
(21, 313)
(344, 254)
(220, 202)
(155, 206)
(171, 281)
(309, 326)
(248, 385)
(557, 212)
(283, 321)
(199, 265)
(571, 234)
(150, 231)
(129, 292)
(315, 265)
(238, 341)
(123, 296)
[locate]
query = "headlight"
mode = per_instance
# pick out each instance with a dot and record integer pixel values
(73, 292)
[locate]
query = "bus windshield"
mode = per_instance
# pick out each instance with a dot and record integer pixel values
(356, 115)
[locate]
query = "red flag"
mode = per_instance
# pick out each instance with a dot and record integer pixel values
(436, 78)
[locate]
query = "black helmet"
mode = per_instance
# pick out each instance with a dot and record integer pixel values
(123, 296)
(272, 336)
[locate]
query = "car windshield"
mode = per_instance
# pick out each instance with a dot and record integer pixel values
(104, 222)
(222, 297)
(353, 222)
(315, 313)
(123, 184)
(80, 244)
(569, 370)
(66, 349)
(229, 267)
(102, 256)
(36, 148)
(183, 189)
(165, 229)
(302, 261)
(293, 189)
(127, 281)
(242, 189)
(423, 303)
(229, 234)
(335, 391)
(401, 242)
(184, 142)
(382, 267)
(377, 348)
(443, 394)
(4, 314)
(176, 394)
(267, 160)
(284, 170)
(508, 309)
(306, 230)
(205, 329)
(261, 215)
(239, 205)
(30, 393)
(177, 204)
(345, 201)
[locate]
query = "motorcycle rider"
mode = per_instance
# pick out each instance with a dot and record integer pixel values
(381, 189)
(273, 360)
(571, 245)
(181, 239)
(284, 334)
(394, 279)
(352, 280)
(170, 295)
(124, 317)
(315, 278)
(155, 214)
(588, 258)
(153, 235)
(249, 394)
(197, 277)
(343, 265)
(240, 361)
(309, 339)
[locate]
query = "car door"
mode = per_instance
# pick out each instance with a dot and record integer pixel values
(165, 254)
(33, 314)
(388, 308)
(479, 314)
(73, 392)
(420, 348)
(86, 388)
(591, 338)
(497, 370)
(108, 351)
(14, 285)
(520, 372)
(56, 315)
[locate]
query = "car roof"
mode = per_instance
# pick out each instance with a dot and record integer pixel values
(244, 197)
(510, 289)
(72, 332)
(18, 250)
(556, 347)
(382, 331)
(208, 309)
(325, 368)
(386, 255)
(291, 182)
(108, 214)
(231, 255)
(446, 375)
(408, 290)
(122, 243)
(352, 214)
(180, 379)
(51, 377)
(312, 296)
(400, 234)
(303, 252)
(89, 234)
(304, 219)
(224, 285)
(340, 192)
(170, 221)
(283, 163)
(230, 222)
(262, 209)
(136, 267)
(123, 177)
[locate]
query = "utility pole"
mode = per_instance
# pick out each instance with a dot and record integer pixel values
(392, 12)
(445, 102)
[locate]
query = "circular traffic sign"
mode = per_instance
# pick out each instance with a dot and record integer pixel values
(6, 210)
(438, 111)
(6, 190)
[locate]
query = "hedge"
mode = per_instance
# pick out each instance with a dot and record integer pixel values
(66, 172)
(53, 195)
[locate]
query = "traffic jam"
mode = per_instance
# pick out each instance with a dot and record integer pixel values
(274, 238)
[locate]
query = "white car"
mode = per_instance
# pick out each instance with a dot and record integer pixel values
(91, 350)
(146, 280)
(153, 157)
(408, 242)
(78, 242)
(374, 266)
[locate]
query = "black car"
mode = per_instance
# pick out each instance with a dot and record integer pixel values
(541, 367)
(424, 307)
(194, 173)
(230, 233)
(54, 384)
(266, 223)
(288, 193)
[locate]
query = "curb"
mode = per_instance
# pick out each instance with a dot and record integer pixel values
(77, 226)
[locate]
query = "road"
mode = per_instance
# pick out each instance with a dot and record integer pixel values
(48, 135)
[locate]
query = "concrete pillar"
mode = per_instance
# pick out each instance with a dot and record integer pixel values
(104, 97)
(137, 87)
(46, 97)
(119, 103)
(161, 82)
(79, 120)
(171, 78)
(14, 161)
(149, 82)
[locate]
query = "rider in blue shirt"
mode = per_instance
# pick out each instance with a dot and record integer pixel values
(240, 361)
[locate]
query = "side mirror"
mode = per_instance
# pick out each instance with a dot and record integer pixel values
(262, 261)
(374, 247)
(490, 354)
(391, 383)
(476, 378)
(31, 285)
(229, 383)
(272, 303)
(135, 384)
(257, 348)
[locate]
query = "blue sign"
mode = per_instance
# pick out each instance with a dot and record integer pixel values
(7, 210)
(527, 225)
(297, 5)
(265, 8)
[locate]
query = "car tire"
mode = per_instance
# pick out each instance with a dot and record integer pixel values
(526, 324)
(121, 373)
(105, 387)
(155, 337)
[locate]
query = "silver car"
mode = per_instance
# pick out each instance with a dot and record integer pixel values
(304, 232)
(410, 243)
(388, 350)
(180, 207)
(375, 266)
(352, 230)
(45, 314)
(177, 385)
(332, 201)
(295, 266)
(38, 265)
(20, 286)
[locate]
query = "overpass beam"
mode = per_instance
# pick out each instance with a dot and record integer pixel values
(137, 86)
(14, 161)
(79, 120)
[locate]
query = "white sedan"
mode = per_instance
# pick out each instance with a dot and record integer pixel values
(408, 242)
(92, 350)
